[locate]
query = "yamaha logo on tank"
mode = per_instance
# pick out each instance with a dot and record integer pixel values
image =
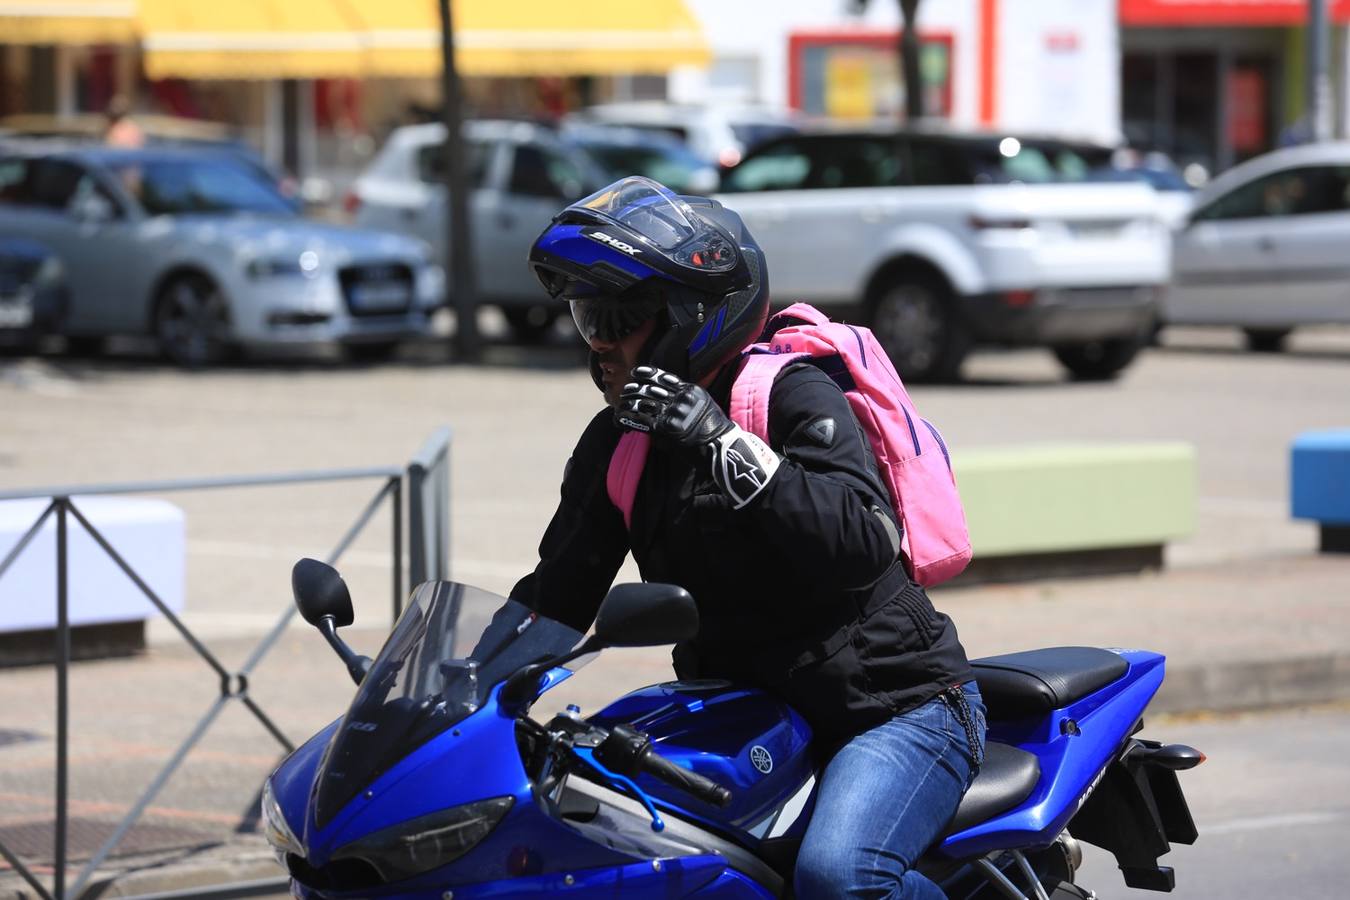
(762, 759)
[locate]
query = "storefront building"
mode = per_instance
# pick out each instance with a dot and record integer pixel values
(1218, 82)
(1042, 66)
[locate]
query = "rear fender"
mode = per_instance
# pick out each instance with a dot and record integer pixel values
(1076, 747)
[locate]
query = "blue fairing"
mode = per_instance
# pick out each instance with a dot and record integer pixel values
(477, 760)
(690, 876)
(1070, 763)
(579, 829)
(712, 730)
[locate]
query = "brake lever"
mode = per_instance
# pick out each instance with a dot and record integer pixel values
(587, 755)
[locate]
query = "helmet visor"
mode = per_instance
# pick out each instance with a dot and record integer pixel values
(664, 222)
(608, 318)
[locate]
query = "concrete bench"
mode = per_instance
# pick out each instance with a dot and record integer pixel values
(107, 611)
(1049, 510)
(1319, 485)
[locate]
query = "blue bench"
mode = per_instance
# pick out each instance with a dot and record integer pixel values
(1320, 485)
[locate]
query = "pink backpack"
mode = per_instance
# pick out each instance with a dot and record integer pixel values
(910, 453)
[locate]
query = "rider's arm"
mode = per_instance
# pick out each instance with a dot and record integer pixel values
(825, 507)
(586, 542)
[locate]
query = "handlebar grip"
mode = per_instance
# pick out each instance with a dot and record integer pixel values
(677, 776)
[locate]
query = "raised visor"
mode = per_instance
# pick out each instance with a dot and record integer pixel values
(1034, 682)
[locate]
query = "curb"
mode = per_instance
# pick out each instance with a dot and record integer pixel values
(1254, 684)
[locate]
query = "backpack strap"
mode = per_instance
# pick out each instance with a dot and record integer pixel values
(749, 403)
(802, 312)
(625, 471)
(748, 408)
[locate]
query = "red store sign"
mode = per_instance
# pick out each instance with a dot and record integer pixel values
(1224, 12)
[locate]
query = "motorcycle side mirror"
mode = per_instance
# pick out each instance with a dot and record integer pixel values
(646, 615)
(320, 592)
(323, 599)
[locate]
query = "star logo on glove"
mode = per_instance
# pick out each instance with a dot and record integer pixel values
(744, 468)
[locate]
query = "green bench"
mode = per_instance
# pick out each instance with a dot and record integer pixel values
(1050, 510)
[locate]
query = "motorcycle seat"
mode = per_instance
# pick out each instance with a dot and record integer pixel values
(1034, 682)
(1007, 777)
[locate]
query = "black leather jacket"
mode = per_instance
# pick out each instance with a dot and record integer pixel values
(800, 592)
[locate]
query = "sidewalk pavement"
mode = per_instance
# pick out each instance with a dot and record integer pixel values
(1257, 633)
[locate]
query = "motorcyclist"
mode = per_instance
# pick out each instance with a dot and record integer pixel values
(790, 548)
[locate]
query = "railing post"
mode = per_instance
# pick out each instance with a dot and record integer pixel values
(396, 502)
(443, 512)
(417, 536)
(62, 698)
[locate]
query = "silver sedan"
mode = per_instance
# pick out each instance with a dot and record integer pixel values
(203, 252)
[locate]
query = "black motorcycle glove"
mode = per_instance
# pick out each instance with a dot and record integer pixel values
(685, 415)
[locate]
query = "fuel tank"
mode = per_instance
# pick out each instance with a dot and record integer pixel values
(748, 741)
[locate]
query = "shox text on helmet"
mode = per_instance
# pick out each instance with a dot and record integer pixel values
(685, 415)
(617, 244)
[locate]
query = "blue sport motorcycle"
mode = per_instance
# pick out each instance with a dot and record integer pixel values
(438, 785)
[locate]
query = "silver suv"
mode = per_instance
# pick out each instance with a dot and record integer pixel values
(522, 174)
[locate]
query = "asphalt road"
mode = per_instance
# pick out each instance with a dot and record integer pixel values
(517, 417)
(1273, 792)
(1272, 805)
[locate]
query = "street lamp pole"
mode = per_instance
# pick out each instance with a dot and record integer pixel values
(1319, 80)
(460, 277)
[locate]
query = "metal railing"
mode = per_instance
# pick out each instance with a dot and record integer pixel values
(428, 477)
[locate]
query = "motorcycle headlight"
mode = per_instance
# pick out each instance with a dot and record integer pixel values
(422, 844)
(275, 828)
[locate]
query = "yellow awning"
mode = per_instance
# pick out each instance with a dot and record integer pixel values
(534, 37)
(252, 39)
(67, 21)
(265, 39)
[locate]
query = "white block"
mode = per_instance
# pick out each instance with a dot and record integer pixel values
(148, 534)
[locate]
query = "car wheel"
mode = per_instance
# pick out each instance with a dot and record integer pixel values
(371, 351)
(192, 323)
(1099, 360)
(1266, 340)
(531, 324)
(915, 320)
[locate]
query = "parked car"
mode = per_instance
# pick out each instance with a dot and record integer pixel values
(1176, 195)
(1265, 248)
(943, 241)
(202, 251)
(522, 173)
(32, 293)
(719, 133)
(622, 151)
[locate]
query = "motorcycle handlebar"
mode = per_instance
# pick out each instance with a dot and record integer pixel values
(628, 751)
(677, 776)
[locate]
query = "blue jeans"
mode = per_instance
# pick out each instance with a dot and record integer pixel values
(885, 798)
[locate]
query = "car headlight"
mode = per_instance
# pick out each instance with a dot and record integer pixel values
(306, 264)
(422, 844)
(275, 827)
(49, 273)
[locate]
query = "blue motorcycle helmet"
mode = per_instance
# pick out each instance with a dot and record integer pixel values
(636, 250)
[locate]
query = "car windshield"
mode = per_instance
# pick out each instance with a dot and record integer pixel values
(1011, 160)
(451, 646)
(752, 134)
(177, 186)
(672, 166)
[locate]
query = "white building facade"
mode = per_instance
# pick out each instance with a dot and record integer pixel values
(1036, 66)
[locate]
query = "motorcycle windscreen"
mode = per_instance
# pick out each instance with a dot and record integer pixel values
(423, 682)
